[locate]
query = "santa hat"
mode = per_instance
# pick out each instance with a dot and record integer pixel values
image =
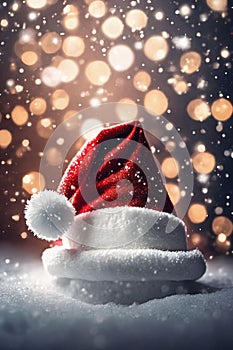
(112, 211)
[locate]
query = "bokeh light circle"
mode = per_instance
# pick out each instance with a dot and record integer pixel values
(197, 213)
(198, 109)
(98, 72)
(203, 162)
(120, 57)
(190, 62)
(221, 224)
(156, 102)
(156, 48)
(136, 19)
(221, 109)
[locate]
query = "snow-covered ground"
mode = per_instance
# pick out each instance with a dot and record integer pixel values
(35, 315)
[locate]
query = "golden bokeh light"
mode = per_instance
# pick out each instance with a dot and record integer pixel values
(126, 109)
(142, 81)
(73, 46)
(38, 106)
(51, 76)
(173, 191)
(217, 5)
(90, 128)
(221, 109)
(222, 225)
(180, 87)
(203, 162)
(60, 99)
(156, 48)
(170, 167)
(156, 102)
(120, 57)
(198, 110)
(112, 27)
(53, 156)
(97, 9)
(19, 115)
(5, 138)
(44, 128)
(69, 70)
(98, 72)
(33, 182)
(29, 58)
(197, 213)
(36, 4)
(136, 19)
(51, 42)
(71, 18)
(190, 62)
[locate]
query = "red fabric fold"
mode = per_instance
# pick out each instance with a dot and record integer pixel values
(116, 168)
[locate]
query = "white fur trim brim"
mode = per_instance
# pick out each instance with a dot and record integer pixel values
(128, 227)
(124, 264)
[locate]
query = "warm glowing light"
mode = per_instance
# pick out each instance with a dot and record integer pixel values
(112, 27)
(197, 213)
(156, 102)
(29, 58)
(142, 81)
(51, 76)
(180, 87)
(54, 156)
(51, 42)
(60, 99)
(221, 109)
(4, 23)
(24, 235)
(217, 5)
(156, 48)
(97, 9)
(136, 19)
(44, 128)
(69, 70)
(73, 46)
(170, 167)
(198, 109)
(190, 62)
(126, 109)
(90, 128)
(36, 4)
(5, 138)
(19, 115)
(173, 191)
(33, 182)
(222, 225)
(120, 57)
(71, 19)
(221, 237)
(38, 106)
(98, 72)
(203, 162)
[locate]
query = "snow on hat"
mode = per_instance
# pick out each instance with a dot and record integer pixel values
(112, 198)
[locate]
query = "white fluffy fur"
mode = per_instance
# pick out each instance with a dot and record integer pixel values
(124, 264)
(49, 215)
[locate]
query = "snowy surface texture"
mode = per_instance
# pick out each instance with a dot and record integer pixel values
(124, 264)
(35, 315)
(128, 227)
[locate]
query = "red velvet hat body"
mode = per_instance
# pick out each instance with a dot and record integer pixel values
(117, 168)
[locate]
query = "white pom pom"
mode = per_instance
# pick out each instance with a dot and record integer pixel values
(49, 215)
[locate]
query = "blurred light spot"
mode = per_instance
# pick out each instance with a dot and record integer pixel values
(197, 213)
